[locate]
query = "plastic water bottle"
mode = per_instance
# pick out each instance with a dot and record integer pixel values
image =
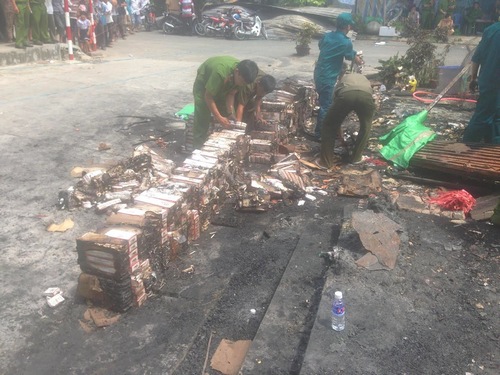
(338, 312)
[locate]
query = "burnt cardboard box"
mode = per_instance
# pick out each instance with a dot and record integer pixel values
(104, 256)
(116, 295)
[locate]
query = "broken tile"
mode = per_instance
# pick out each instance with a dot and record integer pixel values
(410, 202)
(370, 262)
(229, 356)
(379, 235)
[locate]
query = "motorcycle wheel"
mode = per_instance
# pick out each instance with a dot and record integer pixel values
(263, 32)
(239, 33)
(199, 28)
(167, 29)
(208, 31)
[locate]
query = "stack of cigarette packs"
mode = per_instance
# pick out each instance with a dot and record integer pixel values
(122, 261)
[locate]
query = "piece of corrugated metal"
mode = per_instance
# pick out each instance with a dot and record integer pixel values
(475, 160)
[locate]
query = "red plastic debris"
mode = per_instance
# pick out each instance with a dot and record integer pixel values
(455, 200)
(375, 161)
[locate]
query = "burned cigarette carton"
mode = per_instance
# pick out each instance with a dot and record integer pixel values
(139, 300)
(214, 149)
(208, 154)
(140, 216)
(104, 256)
(159, 194)
(147, 199)
(194, 182)
(201, 164)
(194, 228)
(260, 158)
(204, 158)
(116, 296)
(261, 145)
(266, 135)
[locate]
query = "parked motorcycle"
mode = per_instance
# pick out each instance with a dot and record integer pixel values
(175, 24)
(220, 25)
(200, 27)
(148, 17)
(245, 27)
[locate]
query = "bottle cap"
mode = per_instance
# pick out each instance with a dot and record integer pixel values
(338, 294)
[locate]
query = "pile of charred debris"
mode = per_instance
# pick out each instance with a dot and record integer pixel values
(154, 208)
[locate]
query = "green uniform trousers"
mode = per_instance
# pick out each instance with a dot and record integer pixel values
(362, 104)
(202, 114)
(427, 19)
(22, 23)
(39, 22)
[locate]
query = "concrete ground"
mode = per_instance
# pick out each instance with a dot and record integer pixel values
(436, 313)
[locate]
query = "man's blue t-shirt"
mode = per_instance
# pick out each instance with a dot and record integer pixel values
(333, 47)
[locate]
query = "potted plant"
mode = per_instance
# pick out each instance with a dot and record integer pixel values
(304, 38)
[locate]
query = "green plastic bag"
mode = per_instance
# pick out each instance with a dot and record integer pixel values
(402, 142)
(186, 112)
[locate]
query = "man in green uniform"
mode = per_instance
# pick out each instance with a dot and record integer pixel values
(214, 90)
(249, 99)
(39, 22)
(471, 16)
(441, 11)
(22, 24)
(427, 14)
(485, 122)
(352, 93)
(452, 7)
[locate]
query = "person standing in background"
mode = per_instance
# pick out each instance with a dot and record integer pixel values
(101, 27)
(471, 16)
(83, 25)
(452, 7)
(427, 14)
(114, 16)
(39, 22)
(135, 15)
(9, 11)
(50, 21)
(109, 22)
(414, 16)
(485, 122)
(446, 24)
(442, 11)
(22, 24)
(121, 19)
(129, 22)
(58, 8)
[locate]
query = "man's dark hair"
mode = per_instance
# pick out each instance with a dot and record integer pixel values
(268, 83)
(248, 70)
